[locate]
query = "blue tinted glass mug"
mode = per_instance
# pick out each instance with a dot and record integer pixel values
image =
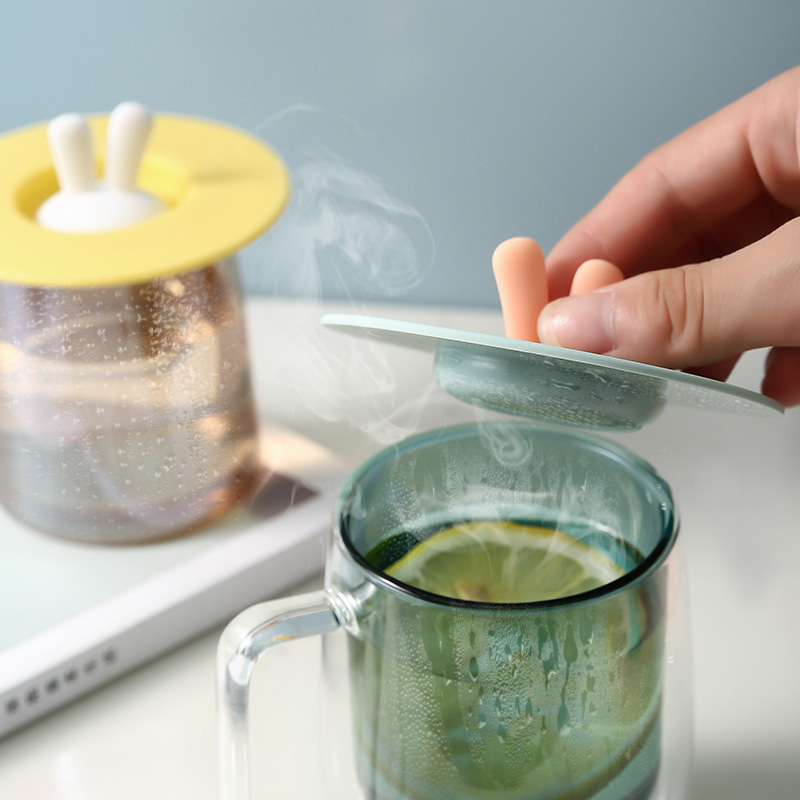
(587, 697)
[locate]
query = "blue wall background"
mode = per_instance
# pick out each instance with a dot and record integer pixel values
(420, 132)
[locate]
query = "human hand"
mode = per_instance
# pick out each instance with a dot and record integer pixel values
(706, 230)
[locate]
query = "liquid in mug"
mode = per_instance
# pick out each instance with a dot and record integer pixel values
(126, 413)
(560, 704)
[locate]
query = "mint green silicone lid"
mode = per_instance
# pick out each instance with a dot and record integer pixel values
(553, 384)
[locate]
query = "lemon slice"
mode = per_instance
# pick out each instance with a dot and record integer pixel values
(504, 562)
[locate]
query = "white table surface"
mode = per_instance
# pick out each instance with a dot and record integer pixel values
(151, 735)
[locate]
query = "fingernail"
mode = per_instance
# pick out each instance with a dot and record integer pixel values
(582, 322)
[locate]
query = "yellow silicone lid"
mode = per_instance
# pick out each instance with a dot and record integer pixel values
(222, 188)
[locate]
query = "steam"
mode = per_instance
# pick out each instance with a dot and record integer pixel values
(344, 225)
(507, 446)
(343, 233)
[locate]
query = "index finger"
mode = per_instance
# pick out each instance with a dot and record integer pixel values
(713, 188)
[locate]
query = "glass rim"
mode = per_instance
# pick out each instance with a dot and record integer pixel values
(652, 561)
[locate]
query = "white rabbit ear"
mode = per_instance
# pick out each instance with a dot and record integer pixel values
(129, 126)
(83, 206)
(71, 147)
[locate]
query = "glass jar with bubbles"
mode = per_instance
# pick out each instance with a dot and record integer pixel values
(126, 408)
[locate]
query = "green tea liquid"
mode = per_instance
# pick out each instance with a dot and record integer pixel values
(486, 700)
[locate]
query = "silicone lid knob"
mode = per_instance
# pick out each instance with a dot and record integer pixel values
(82, 205)
(594, 274)
(519, 271)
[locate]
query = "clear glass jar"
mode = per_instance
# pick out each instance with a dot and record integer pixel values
(126, 412)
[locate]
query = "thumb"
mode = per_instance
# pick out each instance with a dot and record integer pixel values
(692, 315)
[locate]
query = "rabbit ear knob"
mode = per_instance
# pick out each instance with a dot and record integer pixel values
(82, 205)
(521, 278)
(70, 143)
(128, 129)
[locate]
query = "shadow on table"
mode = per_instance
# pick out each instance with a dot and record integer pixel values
(747, 776)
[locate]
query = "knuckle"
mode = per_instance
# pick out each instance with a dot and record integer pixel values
(680, 308)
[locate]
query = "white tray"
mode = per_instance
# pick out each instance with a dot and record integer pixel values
(76, 616)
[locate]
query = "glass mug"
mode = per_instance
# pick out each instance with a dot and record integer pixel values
(583, 696)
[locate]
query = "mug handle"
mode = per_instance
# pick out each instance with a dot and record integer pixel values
(246, 638)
